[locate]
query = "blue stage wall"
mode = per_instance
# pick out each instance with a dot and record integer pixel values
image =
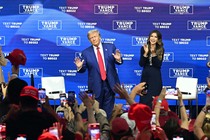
(53, 32)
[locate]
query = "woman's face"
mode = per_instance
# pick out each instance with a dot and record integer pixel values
(153, 38)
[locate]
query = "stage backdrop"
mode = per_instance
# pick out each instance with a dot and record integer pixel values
(53, 32)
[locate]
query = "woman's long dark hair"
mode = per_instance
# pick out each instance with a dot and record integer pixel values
(170, 127)
(159, 44)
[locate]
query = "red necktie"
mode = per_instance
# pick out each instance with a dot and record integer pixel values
(101, 65)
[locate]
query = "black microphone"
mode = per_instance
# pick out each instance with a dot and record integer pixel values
(186, 93)
(32, 80)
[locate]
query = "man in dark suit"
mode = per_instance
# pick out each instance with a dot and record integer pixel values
(101, 79)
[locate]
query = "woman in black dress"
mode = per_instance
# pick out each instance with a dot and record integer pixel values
(151, 59)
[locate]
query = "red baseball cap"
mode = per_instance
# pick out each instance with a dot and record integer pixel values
(47, 136)
(142, 115)
(119, 126)
(30, 91)
(17, 57)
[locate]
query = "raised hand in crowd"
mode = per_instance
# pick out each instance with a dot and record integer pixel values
(101, 118)
(78, 118)
(162, 94)
(75, 107)
(137, 90)
(168, 117)
(161, 97)
(88, 102)
(123, 94)
(96, 106)
(184, 118)
(15, 72)
(201, 125)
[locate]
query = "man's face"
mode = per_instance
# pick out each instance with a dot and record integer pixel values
(94, 39)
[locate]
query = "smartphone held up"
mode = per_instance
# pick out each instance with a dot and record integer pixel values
(21, 137)
(94, 131)
(63, 99)
(61, 114)
(71, 97)
(178, 138)
(89, 93)
(42, 95)
(171, 91)
(125, 107)
(153, 121)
